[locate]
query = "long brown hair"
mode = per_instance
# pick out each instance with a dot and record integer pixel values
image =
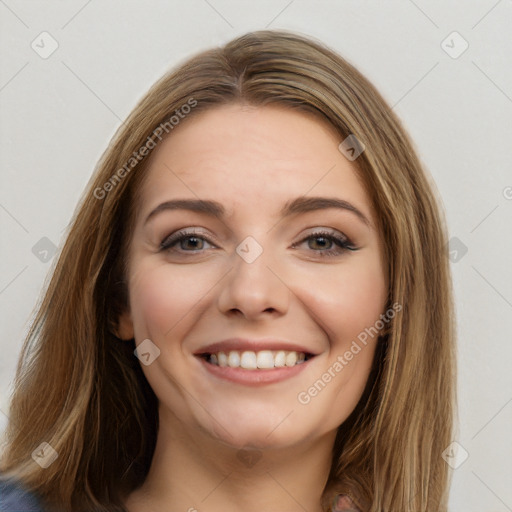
(82, 391)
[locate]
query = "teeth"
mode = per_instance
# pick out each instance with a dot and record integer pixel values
(222, 358)
(291, 358)
(279, 359)
(264, 359)
(234, 359)
(248, 360)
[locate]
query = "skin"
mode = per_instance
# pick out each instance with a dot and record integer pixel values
(252, 160)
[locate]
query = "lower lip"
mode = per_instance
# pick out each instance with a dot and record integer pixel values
(254, 377)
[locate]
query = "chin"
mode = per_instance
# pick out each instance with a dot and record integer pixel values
(245, 433)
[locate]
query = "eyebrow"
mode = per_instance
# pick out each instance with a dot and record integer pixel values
(293, 207)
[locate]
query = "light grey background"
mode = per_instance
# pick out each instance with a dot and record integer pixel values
(59, 112)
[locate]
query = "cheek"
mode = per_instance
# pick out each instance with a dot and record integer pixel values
(363, 300)
(348, 299)
(346, 303)
(161, 298)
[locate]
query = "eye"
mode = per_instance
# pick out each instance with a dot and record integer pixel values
(187, 241)
(327, 243)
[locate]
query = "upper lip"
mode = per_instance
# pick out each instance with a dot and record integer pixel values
(241, 344)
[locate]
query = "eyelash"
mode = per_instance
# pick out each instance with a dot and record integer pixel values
(343, 243)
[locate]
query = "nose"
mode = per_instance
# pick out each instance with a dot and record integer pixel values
(253, 290)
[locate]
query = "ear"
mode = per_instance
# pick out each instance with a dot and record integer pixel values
(125, 326)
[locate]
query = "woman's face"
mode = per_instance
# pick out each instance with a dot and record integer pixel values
(255, 239)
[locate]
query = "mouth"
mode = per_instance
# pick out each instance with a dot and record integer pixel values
(256, 360)
(254, 368)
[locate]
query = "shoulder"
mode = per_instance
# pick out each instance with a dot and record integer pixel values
(16, 498)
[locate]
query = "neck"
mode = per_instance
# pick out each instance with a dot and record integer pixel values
(193, 472)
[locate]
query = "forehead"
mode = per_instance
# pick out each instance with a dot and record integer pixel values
(247, 157)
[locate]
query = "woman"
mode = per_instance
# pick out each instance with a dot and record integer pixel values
(252, 309)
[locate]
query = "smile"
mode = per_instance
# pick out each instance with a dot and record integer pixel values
(252, 368)
(261, 360)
